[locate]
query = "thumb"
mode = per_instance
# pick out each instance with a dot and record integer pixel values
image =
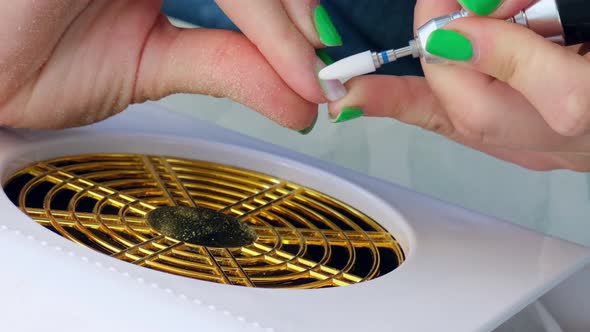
(218, 63)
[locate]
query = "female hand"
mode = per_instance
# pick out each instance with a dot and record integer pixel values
(506, 91)
(66, 63)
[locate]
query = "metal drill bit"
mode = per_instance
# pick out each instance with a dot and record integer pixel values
(385, 57)
(416, 47)
(542, 17)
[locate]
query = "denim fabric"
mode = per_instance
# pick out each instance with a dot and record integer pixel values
(364, 25)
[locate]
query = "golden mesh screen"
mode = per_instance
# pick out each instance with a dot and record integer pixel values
(305, 239)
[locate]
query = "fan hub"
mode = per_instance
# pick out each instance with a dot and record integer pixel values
(201, 226)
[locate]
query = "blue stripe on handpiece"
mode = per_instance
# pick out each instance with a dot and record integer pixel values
(384, 57)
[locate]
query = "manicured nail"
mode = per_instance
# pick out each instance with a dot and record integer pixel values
(347, 114)
(327, 32)
(449, 45)
(480, 7)
(310, 128)
(333, 89)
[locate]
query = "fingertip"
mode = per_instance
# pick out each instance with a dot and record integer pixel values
(333, 90)
(219, 63)
(310, 127)
(508, 8)
(347, 113)
(288, 110)
(480, 7)
(363, 92)
(283, 39)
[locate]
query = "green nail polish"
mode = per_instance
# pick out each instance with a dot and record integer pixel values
(310, 128)
(449, 45)
(480, 7)
(326, 29)
(348, 113)
(323, 55)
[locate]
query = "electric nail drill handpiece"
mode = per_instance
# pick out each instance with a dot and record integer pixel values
(566, 22)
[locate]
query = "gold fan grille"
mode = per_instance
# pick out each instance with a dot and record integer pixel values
(305, 239)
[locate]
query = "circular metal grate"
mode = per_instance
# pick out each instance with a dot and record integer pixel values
(304, 239)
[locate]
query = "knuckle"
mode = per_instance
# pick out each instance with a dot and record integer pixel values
(515, 65)
(475, 128)
(512, 66)
(572, 117)
(507, 70)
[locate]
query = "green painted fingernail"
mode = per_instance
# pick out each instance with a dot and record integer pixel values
(327, 32)
(348, 113)
(310, 128)
(480, 7)
(449, 45)
(323, 55)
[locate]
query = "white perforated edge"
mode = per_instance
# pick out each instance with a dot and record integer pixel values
(154, 285)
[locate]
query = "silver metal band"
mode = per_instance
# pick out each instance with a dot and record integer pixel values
(543, 18)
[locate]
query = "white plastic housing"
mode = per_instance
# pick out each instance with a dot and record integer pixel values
(464, 271)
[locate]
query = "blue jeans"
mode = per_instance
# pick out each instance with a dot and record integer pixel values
(364, 25)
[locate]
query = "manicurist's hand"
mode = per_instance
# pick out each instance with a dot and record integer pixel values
(66, 63)
(505, 91)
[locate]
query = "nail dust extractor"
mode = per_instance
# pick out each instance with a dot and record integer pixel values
(94, 236)
(566, 22)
